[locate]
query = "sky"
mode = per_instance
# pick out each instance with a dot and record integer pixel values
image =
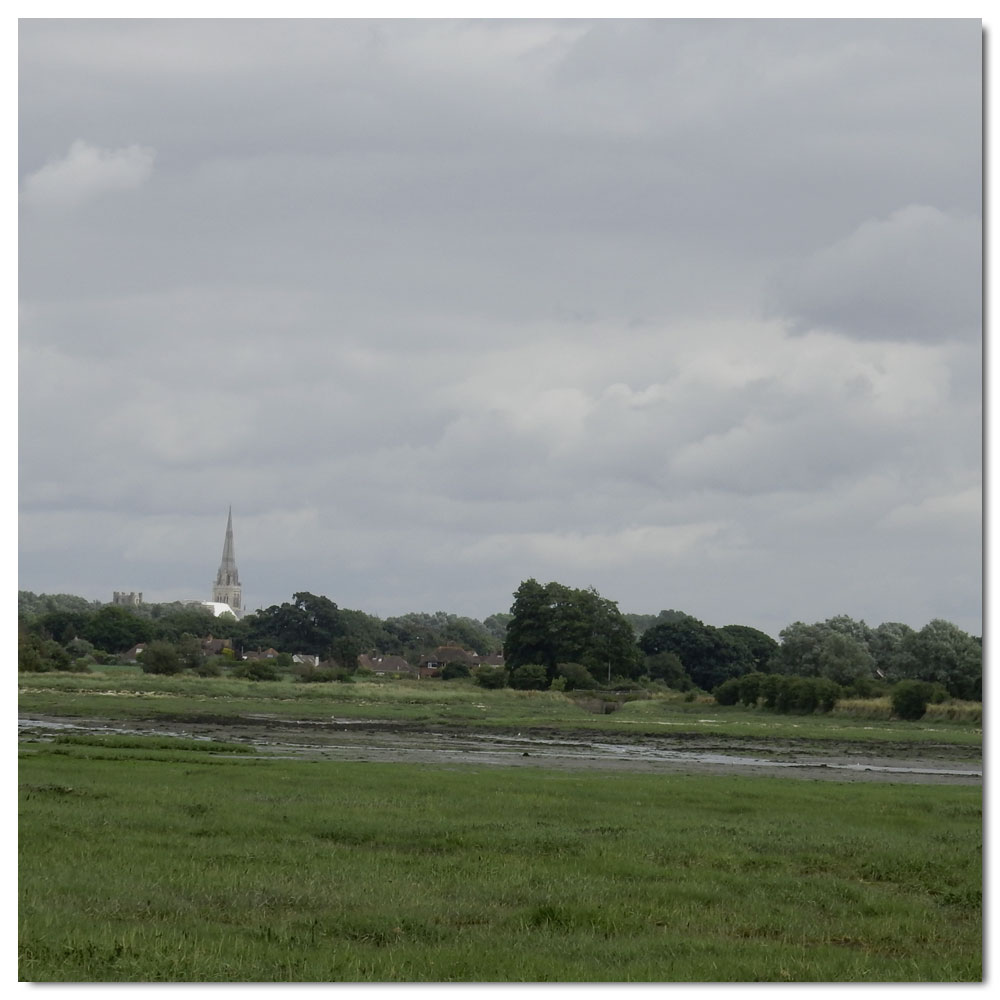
(685, 311)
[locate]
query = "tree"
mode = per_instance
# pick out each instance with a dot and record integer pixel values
(190, 653)
(759, 644)
(820, 650)
(178, 619)
(117, 629)
(941, 652)
(558, 624)
(667, 667)
(709, 655)
(455, 669)
(888, 646)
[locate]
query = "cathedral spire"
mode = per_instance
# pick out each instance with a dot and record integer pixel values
(227, 588)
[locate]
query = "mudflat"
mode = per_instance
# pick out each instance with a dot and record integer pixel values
(549, 747)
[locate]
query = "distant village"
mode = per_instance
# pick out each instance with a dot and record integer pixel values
(227, 599)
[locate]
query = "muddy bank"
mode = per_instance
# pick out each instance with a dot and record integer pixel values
(690, 753)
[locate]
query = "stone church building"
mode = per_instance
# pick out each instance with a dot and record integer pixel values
(227, 589)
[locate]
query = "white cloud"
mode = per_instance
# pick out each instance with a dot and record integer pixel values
(87, 172)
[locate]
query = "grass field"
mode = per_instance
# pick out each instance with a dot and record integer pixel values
(128, 693)
(148, 860)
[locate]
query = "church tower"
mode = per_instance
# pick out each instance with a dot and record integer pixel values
(227, 588)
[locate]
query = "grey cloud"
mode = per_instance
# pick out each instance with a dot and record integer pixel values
(915, 275)
(439, 305)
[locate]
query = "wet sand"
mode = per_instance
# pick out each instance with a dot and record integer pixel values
(570, 750)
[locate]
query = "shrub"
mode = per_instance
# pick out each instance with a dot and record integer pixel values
(728, 692)
(576, 676)
(257, 670)
(492, 678)
(827, 693)
(209, 667)
(530, 677)
(750, 687)
(455, 669)
(160, 658)
(770, 686)
(909, 699)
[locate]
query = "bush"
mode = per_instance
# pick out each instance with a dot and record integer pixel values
(160, 658)
(530, 677)
(910, 698)
(308, 674)
(728, 692)
(492, 678)
(455, 669)
(209, 667)
(257, 670)
(827, 693)
(750, 688)
(576, 677)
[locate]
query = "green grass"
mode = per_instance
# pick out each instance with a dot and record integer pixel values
(122, 695)
(159, 861)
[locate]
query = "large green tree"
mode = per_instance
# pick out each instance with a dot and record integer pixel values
(555, 624)
(941, 652)
(823, 650)
(313, 624)
(115, 629)
(709, 655)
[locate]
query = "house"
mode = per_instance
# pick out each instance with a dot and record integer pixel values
(305, 658)
(132, 655)
(261, 654)
(214, 647)
(385, 665)
(490, 661)
(444, 655)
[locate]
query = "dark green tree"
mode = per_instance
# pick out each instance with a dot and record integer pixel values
(667, 667)
(558, 624)
(117, 629)
(709, 655)
(759, 644)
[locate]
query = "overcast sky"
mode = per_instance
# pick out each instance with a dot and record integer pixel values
(685, 311)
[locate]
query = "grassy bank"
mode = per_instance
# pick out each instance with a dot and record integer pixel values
(155, 861)
(124, 694)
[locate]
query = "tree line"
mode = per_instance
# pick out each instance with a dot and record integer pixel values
(556, 630)
(553, 635)
(63, 631)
